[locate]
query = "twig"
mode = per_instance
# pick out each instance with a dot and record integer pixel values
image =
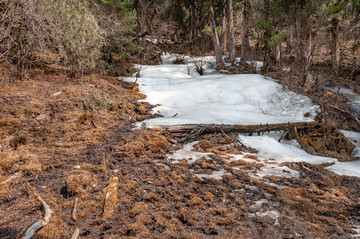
(138, 74)
(347, 113)
(76, 234)
(73, 215)
(38, 224)
(9, 179)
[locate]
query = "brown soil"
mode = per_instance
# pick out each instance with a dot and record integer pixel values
(67, 139)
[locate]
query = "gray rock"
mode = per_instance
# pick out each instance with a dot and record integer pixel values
(41, 117)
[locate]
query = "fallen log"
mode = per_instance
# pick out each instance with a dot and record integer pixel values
(199, 129)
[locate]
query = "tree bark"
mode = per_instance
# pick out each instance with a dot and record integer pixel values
(335, 46)
(216, 128)
(304, 42)
(193, 14)
(277, 50)
(231, 30)
(139, 5)
(215, 36)
(307, 59)
(245, 30)
(223, 30)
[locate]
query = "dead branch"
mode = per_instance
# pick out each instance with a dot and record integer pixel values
(73, 215)
(346, 112)
(195, 130)
(76, 234)
(10, 178)
(38, 224)
(110, 202)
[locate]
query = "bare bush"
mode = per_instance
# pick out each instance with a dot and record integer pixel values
(23, 28)
(76, 34)
(66, 26)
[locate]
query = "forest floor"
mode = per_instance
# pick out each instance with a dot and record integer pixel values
(74, 141)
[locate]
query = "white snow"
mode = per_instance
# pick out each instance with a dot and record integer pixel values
(351, 168)
(187, 154)
(183, 96)
(354, 99)
(215, 174)
(218, 98)
(287, 151)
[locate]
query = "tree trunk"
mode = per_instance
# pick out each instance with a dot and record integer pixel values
(217, 128)
(215, 37)
(245, 30)
(231, 30)
(277, 49)
(306, 57)
(141, 16)
(304, 43)
(223, 31)
(298, 40)
(193, 14)
(335, 46)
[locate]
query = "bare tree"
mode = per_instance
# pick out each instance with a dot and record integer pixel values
(223, 29)
(216, 42)
(245, 29)
(231, 30)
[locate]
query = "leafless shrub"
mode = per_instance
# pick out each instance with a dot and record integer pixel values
(30, 26)
(23, 29)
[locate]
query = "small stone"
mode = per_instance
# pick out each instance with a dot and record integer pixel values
(41, 117)
(56, 94)
(167, 168)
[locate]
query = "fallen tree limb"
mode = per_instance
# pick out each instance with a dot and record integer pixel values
(38, 224)
(348, 113)
(73, 215)
(76, 234)
(217, 128)
(10, 178)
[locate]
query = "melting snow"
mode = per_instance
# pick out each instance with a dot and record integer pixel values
(354, 99)
(188, 98)
(185, 97)
(349, 168)
(286, 151)
(187, 153)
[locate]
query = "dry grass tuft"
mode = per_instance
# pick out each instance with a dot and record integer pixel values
(139, 208)
(23, 162)
(80, 182)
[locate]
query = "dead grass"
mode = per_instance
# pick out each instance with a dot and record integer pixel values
(78, 146)
(80, 182)
(20, 162)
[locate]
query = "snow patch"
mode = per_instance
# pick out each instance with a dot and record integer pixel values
(187, 153)
(351, 168)
(216, 98)
(288, 151)
(215, 174)
(354, 99)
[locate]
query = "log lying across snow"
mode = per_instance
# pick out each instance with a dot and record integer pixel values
(223, 128)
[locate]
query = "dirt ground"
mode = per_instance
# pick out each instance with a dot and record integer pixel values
(73, 140)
